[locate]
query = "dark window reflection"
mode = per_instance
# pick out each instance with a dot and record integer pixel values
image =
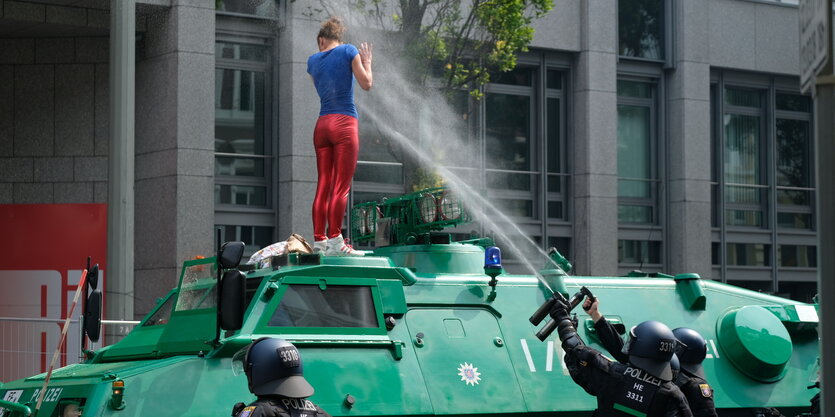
(793, 153)
(508, 131)
(640, 27)
(333, 306)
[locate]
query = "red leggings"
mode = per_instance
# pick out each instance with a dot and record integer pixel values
(336, 139)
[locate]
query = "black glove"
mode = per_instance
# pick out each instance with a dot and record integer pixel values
(559, 311)
(237, 408)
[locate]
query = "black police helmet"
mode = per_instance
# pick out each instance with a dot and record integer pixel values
(651, 345)
(274, 367)
(691, 351)
(675, 366)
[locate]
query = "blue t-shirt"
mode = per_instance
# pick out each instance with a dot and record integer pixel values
(334, 79)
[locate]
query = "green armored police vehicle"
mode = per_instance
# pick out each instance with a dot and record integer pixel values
(420, 327)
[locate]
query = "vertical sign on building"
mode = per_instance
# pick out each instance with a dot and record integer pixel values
(44, 249)
(815, 18)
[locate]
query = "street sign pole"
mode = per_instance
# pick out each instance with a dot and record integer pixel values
(816, 74)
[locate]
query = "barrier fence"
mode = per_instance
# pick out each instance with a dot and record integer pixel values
(27, 344)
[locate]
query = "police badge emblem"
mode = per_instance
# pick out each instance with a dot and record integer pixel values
(469, 374)
(707, 392)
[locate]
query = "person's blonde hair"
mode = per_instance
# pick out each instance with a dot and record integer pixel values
(333, 28)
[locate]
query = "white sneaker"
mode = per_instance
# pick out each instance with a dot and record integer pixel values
(338, 247)
(319, 246)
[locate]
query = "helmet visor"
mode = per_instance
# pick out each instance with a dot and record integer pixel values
(238, 359)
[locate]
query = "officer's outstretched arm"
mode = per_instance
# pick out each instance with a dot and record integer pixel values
(565, 329)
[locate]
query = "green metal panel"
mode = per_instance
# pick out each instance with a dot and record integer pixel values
(464, 361)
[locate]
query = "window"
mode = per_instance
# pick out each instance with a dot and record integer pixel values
(641, 28)
(745, 186)
(794, 166)
(637, 182)
(334, 306)
(763, 183)
(244, 162)
(639, 252)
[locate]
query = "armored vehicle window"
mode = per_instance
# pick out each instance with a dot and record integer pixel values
(161, 315)
(335, 306)
(197, 290)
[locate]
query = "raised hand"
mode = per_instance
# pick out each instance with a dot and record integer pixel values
(366, 53)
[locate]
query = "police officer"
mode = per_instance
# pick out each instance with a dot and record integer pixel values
(691, 352)
(640, 387)
(274, 372)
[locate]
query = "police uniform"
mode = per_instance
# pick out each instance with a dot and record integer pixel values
(623, 390)
(280, 407)
(698, 393)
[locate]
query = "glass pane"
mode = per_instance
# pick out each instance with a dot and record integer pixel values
(505, 181)
(553, 122)
(801, 256)
(563, 245)
(794, 197)
(639, 252)
(335, 306)
(794, 220)
(241, 167)
(239, 111)
(799, 291)
(554, 79)
(517, 76)
(386, 174)
(634, 142)
(714, 253)
(753, 218)
(793, 166)
(241, 51)
(638, 89)
(514, 208)
(555, 183)
(793, 102)
(743, 98)
(254, 237)
(555, 210)
(742, 195)
(244, 195)
(634, 189)
(742, 149)
(748, 254)
(161, 316)
(640, 28)
(197, 290)
(508, 122)
(634, 214)
(266, 8)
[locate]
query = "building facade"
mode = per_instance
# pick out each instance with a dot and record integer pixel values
(660, 135)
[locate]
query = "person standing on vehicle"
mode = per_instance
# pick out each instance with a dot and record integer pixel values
(690, 351)
(336, 136)
(640, 387)
(273, 370)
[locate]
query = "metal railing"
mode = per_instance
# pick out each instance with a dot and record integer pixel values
(27, 344)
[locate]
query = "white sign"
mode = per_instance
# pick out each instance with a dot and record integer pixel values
(814, 19)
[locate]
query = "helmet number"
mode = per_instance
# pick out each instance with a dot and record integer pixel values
(289, 356)
(667, 346)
